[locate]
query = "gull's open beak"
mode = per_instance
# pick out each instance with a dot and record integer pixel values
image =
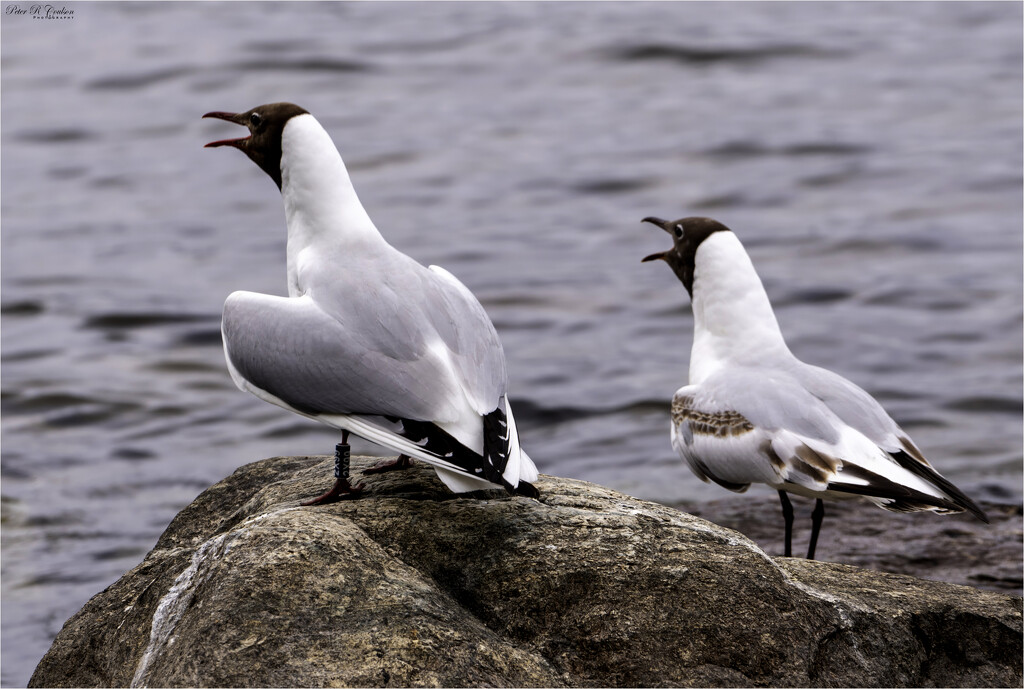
(663, 224)
(230, 117)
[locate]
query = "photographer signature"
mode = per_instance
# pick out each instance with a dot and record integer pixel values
(41, 11)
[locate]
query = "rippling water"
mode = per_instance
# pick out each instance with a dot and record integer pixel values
(869, 156)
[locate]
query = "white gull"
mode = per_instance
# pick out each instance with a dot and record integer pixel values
(368, 340)
(754, 413)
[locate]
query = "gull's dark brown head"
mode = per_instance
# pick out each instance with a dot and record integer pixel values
(266, 124)
(687, 235)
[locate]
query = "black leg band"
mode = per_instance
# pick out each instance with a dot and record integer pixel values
(341, 460)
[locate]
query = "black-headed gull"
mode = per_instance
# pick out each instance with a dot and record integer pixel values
(754, 413)
(368, 340)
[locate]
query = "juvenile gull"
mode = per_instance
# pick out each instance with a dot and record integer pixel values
(368, 340)
(754, 413)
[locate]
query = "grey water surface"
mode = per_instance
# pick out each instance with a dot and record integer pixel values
(868, 155)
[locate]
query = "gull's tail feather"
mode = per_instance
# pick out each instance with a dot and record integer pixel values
(528, 470)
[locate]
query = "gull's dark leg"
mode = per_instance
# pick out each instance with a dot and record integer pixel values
(787, 514)
(342, 489)
(403, 462)
(816, 517)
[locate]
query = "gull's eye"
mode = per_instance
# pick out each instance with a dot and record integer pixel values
(255, 119)
(679, 231)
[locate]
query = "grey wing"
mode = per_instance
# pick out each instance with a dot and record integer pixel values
(412, 308)
(808, 413)
(744, 426)
(470, 336)
(862, 412)
(772, 400)
(851, 404)
(292, 349)
(820, 424)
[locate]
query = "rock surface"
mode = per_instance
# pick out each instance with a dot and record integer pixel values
(956, 548)
(414, 586)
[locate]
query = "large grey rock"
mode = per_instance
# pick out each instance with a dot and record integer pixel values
(412, 585)
(956, 548)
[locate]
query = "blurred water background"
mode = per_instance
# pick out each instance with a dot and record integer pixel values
(868, 155)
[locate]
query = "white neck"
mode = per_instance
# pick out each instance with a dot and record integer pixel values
(320, 203)
(733, 320)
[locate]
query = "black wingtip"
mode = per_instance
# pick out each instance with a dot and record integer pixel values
(903, 498)
(956, 496)
(972, 507)
(496, 446)
(527, 490)
(977, 512)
